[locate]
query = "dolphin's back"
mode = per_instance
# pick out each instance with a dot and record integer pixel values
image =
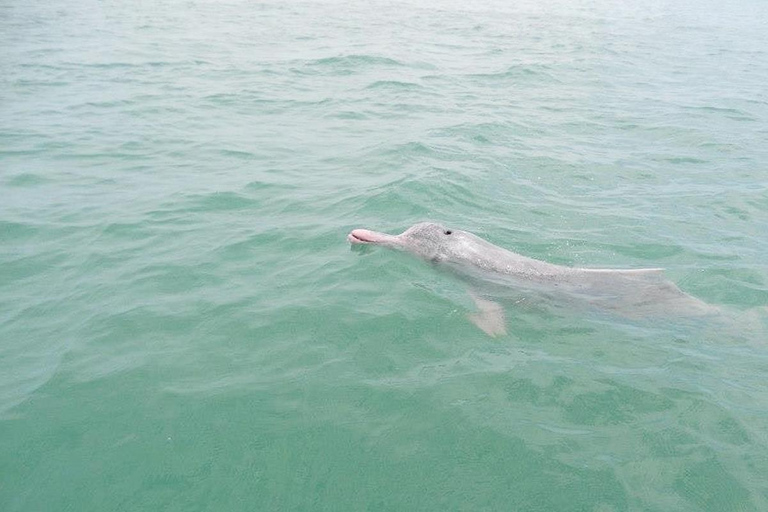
(633, 293)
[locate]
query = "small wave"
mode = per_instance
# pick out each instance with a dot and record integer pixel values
(677, 160)
(410, 148)
(13, 231)
(175, 278)
(236, 153)
(101, 65)
(40, 83)
(484, 133)
(348, 114)
(24, 375)
(734, 114)
(356, 61)
(394, 84)
(125, 230)
(220, 201)
(128, 65)
(26, 179)
(103, 104)
(521, 72)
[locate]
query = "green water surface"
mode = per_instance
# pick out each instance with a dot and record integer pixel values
(184, 327)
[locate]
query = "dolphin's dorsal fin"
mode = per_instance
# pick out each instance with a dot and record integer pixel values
(638, 272)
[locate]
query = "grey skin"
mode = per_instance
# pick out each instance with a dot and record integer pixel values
(493, 271)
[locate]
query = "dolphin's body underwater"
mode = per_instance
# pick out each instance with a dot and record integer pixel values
(494, 271)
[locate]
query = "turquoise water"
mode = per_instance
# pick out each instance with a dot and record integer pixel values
(183, 325)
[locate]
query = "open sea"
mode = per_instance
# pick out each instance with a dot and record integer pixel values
(183, 326)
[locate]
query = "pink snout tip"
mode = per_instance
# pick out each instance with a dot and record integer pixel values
(361, 236)
(366, 236)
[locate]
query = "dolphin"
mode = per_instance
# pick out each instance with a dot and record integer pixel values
(496, 272)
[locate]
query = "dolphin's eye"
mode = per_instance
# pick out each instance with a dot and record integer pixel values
(447, 231)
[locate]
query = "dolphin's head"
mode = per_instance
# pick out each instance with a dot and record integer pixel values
(427, 240)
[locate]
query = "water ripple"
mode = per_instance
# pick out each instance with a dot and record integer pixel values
(176, 185)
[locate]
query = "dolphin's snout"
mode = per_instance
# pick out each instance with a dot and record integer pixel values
(366, 236)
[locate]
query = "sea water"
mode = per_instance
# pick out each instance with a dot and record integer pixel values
(183, 325)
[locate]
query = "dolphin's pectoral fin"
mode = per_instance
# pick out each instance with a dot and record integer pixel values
(490, 317)
(491, 323)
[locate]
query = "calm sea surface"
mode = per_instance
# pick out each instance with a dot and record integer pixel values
(184, 327)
